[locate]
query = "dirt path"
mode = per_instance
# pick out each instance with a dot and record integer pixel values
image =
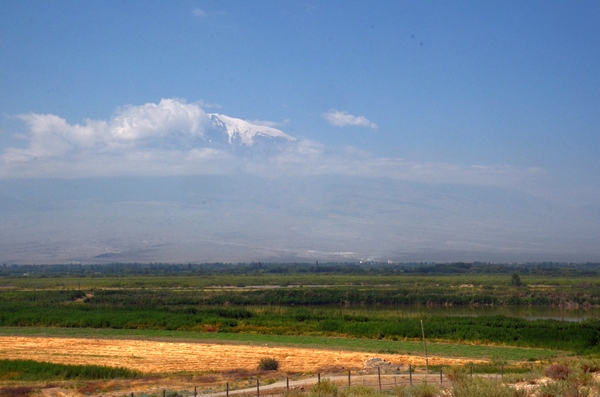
(164, 357)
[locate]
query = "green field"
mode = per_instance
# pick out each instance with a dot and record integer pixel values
(341, 306)
(28, 370)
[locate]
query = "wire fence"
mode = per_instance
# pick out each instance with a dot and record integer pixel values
(376, 379)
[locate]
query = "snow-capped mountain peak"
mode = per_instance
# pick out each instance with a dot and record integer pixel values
(245, 132)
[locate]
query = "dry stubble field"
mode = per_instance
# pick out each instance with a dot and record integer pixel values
(167, 357)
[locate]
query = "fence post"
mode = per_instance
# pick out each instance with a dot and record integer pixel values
(227, 389)
(379, 377)
(195, 392)
(425, 346)
(287, 383)
(164, 393)
(257, 389)
(131, 394)
(348, 378)
(319, 382)
(441, 377)
(410, 373)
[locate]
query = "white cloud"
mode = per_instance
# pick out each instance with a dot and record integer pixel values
(170, 116)
(207, 105)
(310, 158)
(267, 123)
(168, 139)
(197, 12)
(343, 119)
(131, 127)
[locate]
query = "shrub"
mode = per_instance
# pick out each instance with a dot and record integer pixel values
(563, 388)
(293, 393)
(580, 377)
(557, 371)
(456, 374)
(359, 391)
(423, 390)
(324, 388)
(589, 366)
(515, 280)
(268, 364)
(479, 387)
(400, 391)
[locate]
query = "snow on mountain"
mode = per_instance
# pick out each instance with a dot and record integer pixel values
(243, 132)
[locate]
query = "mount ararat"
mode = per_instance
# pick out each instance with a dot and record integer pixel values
(169, 182)
(240, 132)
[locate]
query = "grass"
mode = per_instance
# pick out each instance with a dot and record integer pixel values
(246, 281)
(495, 353)
(292, 312)
(362, 312)
(111, 312)
(29, 370)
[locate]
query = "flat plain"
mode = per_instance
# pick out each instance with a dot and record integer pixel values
(172, 357)
(182, 326)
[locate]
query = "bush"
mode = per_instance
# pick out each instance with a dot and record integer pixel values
(268, 364)
(589, 366)
(580, 377)
(423, 390)
(480, 387)
(563, 388)
(293, 393)
(324, 388)
(401, 391)
(456, 374)
(557, 371)
(359, 391)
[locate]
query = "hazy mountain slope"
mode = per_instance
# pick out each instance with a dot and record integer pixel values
(241, 218)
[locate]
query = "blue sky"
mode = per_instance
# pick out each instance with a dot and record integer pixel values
(495, 94)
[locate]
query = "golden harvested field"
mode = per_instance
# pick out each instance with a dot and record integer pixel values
(164, 356)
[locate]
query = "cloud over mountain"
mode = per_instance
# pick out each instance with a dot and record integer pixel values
(171, 135)
(174, 137)
(182, 184)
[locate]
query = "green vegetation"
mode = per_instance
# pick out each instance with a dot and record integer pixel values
(199, 312)
(423, 389)
(551, 269)
(325, 388)
(479, 387)
(342, 305)
(455, 284)
(28, 370)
